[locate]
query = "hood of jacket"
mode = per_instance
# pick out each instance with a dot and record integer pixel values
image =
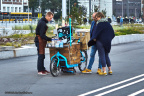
(102, 20)
(44, 19)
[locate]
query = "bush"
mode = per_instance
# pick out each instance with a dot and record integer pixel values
(83, 26)
(17, 27)
(16, 36)
(127, 31)
(8, 44)
(24, 27)
(50, 28)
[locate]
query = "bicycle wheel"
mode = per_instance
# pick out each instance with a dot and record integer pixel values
(53, 67)
(82, 66)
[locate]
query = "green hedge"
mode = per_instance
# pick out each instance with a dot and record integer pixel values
(130, 30)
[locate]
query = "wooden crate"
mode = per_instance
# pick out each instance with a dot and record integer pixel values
(84, 36)
(71, 53)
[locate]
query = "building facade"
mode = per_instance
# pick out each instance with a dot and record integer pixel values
(101, 4)
(13, 5)
(107, 6)
(127, 8)
(142, 9)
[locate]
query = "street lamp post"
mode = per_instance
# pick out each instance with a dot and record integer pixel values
(28, 11)
(63, 12)
(39, 12)
(122, 8)
(128, 8)
(89, 8)
(135, 13)
(69, 7)
(39, 9)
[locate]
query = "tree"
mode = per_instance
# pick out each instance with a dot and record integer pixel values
(53, 5)
(96, 8)
(58, 15)
(79, 18)
(84, 10)
(104, 12)
(33, 4)
(74, 13)
(71, 5)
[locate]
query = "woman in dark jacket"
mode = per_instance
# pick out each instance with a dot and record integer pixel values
(103, 35)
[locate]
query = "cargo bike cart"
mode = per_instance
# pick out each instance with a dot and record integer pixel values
(72, 54)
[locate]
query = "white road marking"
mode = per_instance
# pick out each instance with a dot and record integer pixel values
(112, 90)
(93, 91)
(136, 93)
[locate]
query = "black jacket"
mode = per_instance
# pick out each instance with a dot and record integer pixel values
(104, 33)
(41, 29)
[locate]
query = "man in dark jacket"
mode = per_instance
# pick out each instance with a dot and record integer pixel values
(93, 50)
(41, 40)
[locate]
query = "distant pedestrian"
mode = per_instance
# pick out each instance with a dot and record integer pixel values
(65, 24)
(118, 20)
(84, 20)
(109, 19)
(121, 21)
(41, 40)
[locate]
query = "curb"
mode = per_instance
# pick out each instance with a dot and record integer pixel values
(127, 38)
(19, 52)
(28, 50)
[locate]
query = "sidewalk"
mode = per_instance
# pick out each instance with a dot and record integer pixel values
(32, 50)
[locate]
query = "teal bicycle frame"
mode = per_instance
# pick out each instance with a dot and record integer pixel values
(58, 55)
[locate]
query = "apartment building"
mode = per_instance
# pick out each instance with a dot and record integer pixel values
(127, 8)
(13, 5)
(102, 4)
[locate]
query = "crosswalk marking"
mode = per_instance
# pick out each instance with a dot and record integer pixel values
(136, 93)
(112, 90)
(93, 91)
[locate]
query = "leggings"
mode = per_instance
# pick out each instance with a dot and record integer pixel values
(104, 57)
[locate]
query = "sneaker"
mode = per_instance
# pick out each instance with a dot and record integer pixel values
(110, 72)
(98, 71)
(102, 73)
(46, 71)
(42, 73)
(87, 71)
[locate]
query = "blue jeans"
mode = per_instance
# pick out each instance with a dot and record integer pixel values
(121, 24)
(92, 57)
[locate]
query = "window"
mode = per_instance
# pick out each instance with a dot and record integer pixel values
(8, 9)
(4, 9)
(15, 9)
(12, 9)
(19, 9)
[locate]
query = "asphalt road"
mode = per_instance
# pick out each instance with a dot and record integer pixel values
(20, 75)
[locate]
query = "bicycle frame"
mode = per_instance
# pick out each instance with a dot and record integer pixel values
(58, 55)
